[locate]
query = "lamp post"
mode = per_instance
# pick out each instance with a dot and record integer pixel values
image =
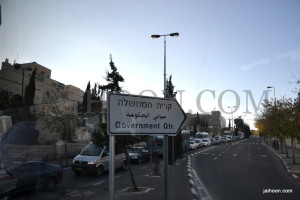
(231, 117)
(166, 136)
(165, 61)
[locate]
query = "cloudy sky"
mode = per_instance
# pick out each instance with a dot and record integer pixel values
(227, 51)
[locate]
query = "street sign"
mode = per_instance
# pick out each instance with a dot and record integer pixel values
(143, 115)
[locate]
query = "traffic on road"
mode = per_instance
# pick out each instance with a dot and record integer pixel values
(216, 168)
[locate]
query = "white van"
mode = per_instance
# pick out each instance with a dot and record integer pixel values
(95, 159)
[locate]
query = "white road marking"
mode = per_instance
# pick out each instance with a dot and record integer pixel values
(200, 188)
(98, 183)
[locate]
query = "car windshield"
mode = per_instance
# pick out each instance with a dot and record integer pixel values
(91, 150)
(135, 150)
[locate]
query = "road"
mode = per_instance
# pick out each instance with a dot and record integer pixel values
(87, 186)
(240, 170)
(244, 169)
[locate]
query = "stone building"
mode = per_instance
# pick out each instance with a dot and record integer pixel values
(15, 77)
(215, 121)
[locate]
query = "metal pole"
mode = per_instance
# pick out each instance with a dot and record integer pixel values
(166, 136)
(23, 83)
(232, 133)
(165, 66)
(173, 149)
(111, 166)
(166, 167)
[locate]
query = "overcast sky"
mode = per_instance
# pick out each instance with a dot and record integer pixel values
(225, 47)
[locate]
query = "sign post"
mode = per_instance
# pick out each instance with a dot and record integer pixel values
(142, 115)
(111, 166)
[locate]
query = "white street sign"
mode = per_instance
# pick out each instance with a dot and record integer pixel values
(142, 115)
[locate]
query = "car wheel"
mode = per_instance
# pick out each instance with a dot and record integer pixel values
(51, 184)
(99, 170)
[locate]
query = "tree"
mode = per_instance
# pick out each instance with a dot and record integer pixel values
(170, 88)
(96, 102)
(30, 90)
(113, 78)
(84, 100)
(171, 94)
(58, 119)
(280, 119)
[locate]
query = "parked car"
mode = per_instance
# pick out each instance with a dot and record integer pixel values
(236, 137)
(212, 140)
(229, 138)
(8, 183)
(217, 139)
(224, 138)
(139, 154)
(193, 144)
(206, 142)
(199, 142)
(95, 159)
(36, 175)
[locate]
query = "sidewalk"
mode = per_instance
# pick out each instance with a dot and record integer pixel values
(178, 185)
(292, 169)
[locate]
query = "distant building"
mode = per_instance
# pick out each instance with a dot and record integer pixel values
(214, 120)
(15, 77)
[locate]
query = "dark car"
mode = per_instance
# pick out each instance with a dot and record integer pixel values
(36, 175)
(139, 154)
(7, 183)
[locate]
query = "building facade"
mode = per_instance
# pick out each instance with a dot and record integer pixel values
(15, 77)
(214, 121)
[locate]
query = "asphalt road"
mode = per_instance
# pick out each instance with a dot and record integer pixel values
(86, 186)
(243, 170)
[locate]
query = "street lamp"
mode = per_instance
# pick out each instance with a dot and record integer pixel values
(165, 62)
(231, 117)
(166, 136)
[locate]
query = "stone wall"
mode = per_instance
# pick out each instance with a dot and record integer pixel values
(289, 143)
(39, 152)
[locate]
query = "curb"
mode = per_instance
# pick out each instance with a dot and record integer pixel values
(193, 187)
(291, 173)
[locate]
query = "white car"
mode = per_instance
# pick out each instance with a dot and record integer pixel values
(199, 142)
(224, 139)
(95, 159)
(206, 142)
(229, 138)
(193, 144)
